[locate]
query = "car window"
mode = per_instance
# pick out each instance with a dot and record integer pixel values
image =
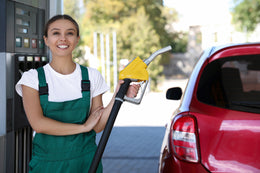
(232, 83)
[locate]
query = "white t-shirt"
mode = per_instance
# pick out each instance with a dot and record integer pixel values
(63, 87)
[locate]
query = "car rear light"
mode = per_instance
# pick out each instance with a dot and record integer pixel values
(184, 138)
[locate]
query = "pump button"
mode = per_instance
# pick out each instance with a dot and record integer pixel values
(44, 58)
(21, 58)
(37, 58)
(41, 44)
(18, 42)
(29, 58)
(26, 43)
(34, 43)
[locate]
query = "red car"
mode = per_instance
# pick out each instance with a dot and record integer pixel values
(216, 128)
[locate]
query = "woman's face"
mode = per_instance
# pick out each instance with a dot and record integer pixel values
(62, 38)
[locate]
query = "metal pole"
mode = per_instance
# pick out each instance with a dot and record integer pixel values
(102, 55)
(115, 59)
(108, 59)
(95, 44)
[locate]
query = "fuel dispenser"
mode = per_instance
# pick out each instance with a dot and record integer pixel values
(21, 48)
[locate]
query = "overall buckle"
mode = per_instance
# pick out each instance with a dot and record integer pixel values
(85, 85)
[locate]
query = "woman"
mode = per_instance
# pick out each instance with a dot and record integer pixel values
(63, 103)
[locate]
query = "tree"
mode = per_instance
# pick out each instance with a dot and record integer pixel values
(139, 24)
(139, 38)
(246, 14)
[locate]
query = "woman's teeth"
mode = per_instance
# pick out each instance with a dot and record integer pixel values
(63, 46)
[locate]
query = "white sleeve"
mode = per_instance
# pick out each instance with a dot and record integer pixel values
(30, 79)
(97, 83)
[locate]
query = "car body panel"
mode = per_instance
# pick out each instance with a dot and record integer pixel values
(229, 140)
(173, 165)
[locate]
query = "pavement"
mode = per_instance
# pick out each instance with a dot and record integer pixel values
(135, 141)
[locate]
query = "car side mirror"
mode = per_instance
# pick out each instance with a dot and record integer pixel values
(174, 93)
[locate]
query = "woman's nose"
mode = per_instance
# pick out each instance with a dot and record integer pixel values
(62, 37)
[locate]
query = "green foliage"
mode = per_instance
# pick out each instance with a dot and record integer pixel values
(180, 42)
(137, 37)
(140, 27)
(246, 14)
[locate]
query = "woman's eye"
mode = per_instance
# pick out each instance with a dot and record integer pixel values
(56, 33)
(70, 33)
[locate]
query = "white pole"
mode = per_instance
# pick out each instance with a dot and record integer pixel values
(108, 59)
(102, 52)
(115, 59)
(95, 44)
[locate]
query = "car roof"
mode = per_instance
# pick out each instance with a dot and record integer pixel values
(215, 49)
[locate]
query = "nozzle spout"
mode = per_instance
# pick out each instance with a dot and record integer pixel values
(158, 52)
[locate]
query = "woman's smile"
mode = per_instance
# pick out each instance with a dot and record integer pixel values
(63, 46)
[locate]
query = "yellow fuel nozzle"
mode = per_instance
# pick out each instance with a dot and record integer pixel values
(136, 69)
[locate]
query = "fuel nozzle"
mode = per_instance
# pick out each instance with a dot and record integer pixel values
(136, 72)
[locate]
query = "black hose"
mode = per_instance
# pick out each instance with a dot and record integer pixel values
(110, 123)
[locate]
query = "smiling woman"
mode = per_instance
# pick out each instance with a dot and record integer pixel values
(63, 103)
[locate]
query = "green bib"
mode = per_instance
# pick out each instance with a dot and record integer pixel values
(70, 153)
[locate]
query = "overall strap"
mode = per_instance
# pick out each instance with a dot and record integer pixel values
(43, 86)
(85, 82)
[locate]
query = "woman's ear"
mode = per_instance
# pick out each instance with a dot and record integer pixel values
(45, 40)
(78, 39)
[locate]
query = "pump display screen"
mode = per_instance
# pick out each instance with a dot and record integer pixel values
(29, 23)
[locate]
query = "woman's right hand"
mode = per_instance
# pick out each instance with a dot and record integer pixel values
(93, 119)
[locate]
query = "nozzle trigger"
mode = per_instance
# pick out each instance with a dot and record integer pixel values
(139, 99)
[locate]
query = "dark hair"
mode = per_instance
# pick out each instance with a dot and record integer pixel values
(58, 17)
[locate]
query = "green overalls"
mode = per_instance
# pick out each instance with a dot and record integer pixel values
(64, 154)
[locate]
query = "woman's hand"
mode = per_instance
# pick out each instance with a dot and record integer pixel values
(132, 90)
(93, 118)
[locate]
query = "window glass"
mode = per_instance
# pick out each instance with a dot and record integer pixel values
(232, 83)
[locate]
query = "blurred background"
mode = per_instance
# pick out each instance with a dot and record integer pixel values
(113, 32)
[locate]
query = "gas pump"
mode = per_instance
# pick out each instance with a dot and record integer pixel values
(21, 48)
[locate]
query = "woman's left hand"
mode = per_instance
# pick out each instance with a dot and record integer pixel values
(93, 119)
(132, 90)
